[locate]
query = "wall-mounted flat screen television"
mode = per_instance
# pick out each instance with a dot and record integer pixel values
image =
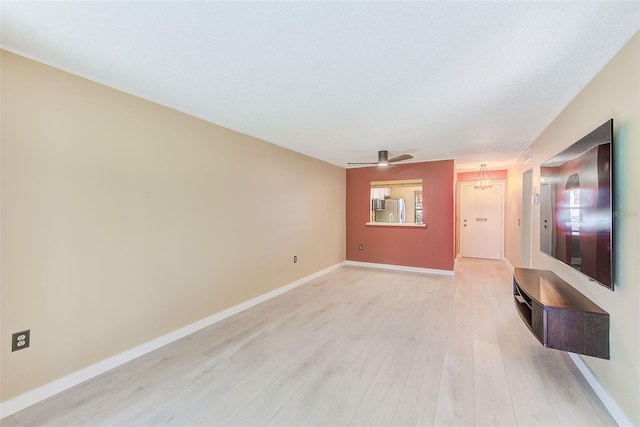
(576, 205)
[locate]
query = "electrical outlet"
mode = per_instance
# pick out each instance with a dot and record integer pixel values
(295, 259)
(359, 247)
(20, 340)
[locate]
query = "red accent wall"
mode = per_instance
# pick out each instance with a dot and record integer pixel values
(427, 247)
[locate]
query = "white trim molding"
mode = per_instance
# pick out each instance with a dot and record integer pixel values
(400, 268)
(41, 393)
(609, 402)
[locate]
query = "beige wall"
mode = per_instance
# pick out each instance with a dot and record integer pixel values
(123, 220)
(613, 93)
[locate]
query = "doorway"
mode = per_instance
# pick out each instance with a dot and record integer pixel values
(525, 225)
(482, 221)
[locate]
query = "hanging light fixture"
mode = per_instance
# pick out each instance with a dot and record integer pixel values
(483, 180)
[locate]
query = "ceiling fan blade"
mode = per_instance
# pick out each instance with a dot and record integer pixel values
(383, 159)
(400, 158)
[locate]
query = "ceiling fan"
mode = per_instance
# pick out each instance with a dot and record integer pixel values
(384, 160)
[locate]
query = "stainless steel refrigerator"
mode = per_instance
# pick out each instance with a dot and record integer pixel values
(393, 211)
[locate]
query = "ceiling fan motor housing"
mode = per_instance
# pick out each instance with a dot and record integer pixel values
(383, 157)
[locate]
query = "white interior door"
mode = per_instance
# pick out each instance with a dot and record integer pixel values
(481, 221)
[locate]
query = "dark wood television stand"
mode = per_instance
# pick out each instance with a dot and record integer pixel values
(558, 315)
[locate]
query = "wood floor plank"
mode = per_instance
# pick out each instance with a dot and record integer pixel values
(531, 403)
(380, 402)
(296, 348)
(9, 422)
(455, 404)
(492, 396)
(318, 393)
(569, 398)
(69, 404)
(419, 397)
(359, 378)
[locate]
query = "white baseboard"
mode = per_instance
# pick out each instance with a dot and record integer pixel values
(400, 268)
(41, 393)
(609, 402)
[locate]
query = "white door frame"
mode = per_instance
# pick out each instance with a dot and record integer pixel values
(526, 225)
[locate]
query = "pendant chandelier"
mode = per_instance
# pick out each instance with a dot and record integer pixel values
(483, 180)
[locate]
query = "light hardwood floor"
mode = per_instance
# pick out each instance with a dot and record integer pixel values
(355, 347)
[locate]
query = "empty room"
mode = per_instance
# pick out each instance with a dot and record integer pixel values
(320, 213)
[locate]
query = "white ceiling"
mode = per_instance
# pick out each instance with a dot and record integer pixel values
(338, 81)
